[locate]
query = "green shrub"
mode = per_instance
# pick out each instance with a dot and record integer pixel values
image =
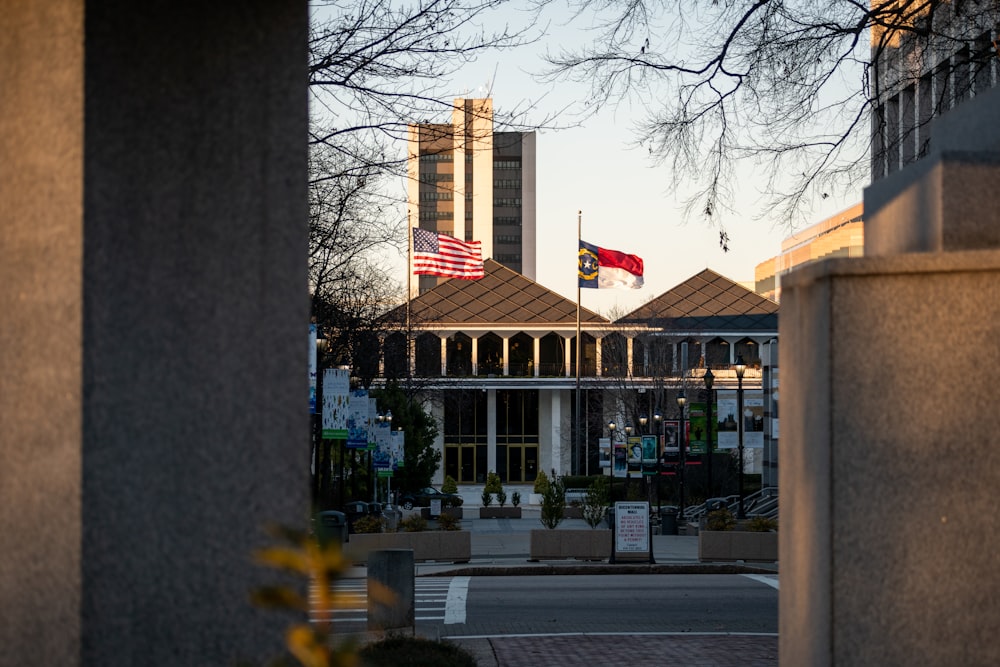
(515, 498)
(541, 482)
(369, 524)
(720, 520)
(449, 522)
(553, 504)
(502, 497)
(762, 524)
(450, 485)
(405, 651)
(596, 502)
(493, 483)
(415, 523)
(487, 498)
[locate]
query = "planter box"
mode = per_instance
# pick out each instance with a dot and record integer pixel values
(732, 545)
(499, 512)
(582, 544)
(445, 511)
(439, 545)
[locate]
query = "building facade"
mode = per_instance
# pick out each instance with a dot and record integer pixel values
(840, 235)
(497, 359)
(476, 184)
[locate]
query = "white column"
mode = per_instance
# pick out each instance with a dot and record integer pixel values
(475, 355)
(598, 356)
(537, 353)
(628, 347)
(444, 356)
(555, 429)
(568, 360)
(506, 356)
(491, 429)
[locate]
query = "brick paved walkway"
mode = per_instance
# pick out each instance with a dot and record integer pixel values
(631, 650)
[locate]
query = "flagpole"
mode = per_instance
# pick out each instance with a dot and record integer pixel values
(409, 274)
(579, 344)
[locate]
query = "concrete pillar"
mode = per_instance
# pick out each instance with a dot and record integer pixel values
(391, 590)
(889, 463)
(152, 247)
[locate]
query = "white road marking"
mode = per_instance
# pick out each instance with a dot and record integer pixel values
(458, 593)
(769, 579)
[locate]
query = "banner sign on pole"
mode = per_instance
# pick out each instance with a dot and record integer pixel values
(357, 420)
(312, 369)
(336, 398)
(398, 441)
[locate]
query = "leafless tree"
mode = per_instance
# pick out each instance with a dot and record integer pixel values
(796, 88)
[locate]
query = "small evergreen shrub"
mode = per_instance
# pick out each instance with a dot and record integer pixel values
(553, 504)
(515, 498)
(369, 524)
(450, 485)
(449, 522)
(541, 482)
(487, 497)
(502, 497)
(762, 524)
(596, 502)
(493, 483)
(720, 520)
(414, 523)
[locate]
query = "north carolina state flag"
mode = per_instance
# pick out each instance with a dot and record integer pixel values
(602, 268)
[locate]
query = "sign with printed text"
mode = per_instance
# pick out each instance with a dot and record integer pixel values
(631, 527)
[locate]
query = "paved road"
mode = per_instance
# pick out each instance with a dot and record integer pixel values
(501, 546)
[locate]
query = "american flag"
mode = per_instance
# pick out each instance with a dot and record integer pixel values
(443, 255)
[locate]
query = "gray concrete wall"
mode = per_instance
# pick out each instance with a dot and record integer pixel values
(890, 461)
(152, 279)
(947, 200)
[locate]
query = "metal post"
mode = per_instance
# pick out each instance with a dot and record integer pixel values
(682, 462)
(740, 369)
(709, 380)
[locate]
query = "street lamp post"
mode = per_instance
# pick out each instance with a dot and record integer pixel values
(709, 379)
(681, 402)
(658, 418)
(740, 368)
(611, 489)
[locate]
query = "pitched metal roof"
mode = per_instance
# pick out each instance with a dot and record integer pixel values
(708, 301)
(502, 297)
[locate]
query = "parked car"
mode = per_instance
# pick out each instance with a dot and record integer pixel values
(424, 496)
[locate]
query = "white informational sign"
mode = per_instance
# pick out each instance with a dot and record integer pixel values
(436, 507)
(632, 528)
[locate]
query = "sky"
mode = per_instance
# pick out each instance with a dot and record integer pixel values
(626, 202)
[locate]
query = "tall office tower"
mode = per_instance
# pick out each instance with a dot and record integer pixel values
(468, 181)
(941, 54)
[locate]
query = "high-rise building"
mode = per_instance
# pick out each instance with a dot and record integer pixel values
(468, 181)
(927, 59)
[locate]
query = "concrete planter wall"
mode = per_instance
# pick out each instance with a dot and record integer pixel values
(582, 544)
(499, 512)
(438, 545)
(732, 545)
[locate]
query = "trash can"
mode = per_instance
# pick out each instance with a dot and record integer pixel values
(354, 511)
(331, 527)
(668, 521)
(392, 517)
